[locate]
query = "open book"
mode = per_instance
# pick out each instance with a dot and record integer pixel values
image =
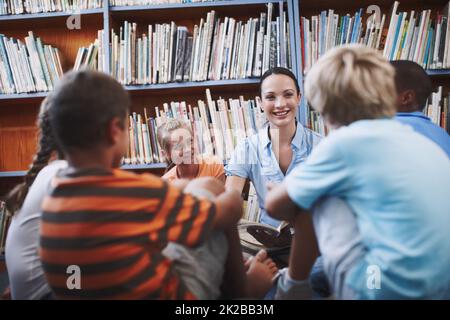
(255, 236)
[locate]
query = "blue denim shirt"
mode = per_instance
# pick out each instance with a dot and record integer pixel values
(254, 159)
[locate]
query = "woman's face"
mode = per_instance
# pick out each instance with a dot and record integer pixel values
(280, 99)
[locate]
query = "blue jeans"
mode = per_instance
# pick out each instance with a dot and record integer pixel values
(318, 280)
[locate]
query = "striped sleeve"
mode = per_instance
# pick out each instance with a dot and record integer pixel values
(187, 220)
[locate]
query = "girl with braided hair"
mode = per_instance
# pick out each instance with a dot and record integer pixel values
(26, 278)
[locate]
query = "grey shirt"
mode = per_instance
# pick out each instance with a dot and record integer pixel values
(26, 277)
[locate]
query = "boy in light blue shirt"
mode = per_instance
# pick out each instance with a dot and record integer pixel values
(397, 183)
(414, 87)
(379, 191)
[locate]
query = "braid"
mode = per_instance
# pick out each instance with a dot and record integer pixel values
(46, 147)
(45, 151)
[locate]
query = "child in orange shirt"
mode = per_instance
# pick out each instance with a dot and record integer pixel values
(176, 141)
(113, 225)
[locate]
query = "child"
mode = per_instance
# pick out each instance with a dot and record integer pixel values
(414, 88)
(176, 141)
(112, 225)
(26, 277)
(385, 235)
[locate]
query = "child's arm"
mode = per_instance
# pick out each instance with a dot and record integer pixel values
(304, 250)
(279, 205)
(228, 202)
(180, 183)
(228, 209)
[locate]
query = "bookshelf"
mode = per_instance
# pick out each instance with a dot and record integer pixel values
(310, 8)
(18, 111)
(14, 174)
(179, 86)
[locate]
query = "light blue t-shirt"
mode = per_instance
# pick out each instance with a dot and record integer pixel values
(254, 159)
(398, 184)
(423, 125)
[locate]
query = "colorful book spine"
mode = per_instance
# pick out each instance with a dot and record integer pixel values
(218, 126)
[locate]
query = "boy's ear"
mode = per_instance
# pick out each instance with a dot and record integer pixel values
(408, 97)
(115, 130)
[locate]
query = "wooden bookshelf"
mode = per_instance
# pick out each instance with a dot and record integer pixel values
(46, 16)
(308, 8)
(18, 112)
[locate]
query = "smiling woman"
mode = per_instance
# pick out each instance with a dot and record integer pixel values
(268, 156)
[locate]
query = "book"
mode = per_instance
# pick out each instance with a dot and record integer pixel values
(320, 33)
(153, 2)
(220, 124)
(91, 57)
(5, 221)
(218, 48)
(29, 66)
(437, 108)
(42, 6)
(421, 38)
(414, 36)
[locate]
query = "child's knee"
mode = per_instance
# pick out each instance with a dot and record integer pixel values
(209, 183)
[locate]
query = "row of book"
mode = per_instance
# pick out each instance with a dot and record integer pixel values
(416, 36)
(40, 6)
(315, 122)
(251, 211)
(217, 49)
(217, 126)
(28, 66)
(322, 32)
(5, 220)
(437, 109)
(419, 37)
(92, 57)
(153, 2)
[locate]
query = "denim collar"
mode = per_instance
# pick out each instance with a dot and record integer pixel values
(296, 142)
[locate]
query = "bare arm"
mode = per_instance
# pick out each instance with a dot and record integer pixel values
(228, 202)
(279, 205)
(180, 183)
(305, 250)
(235, 183)
(229, 209)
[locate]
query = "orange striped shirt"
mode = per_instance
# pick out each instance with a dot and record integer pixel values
(113, 225)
